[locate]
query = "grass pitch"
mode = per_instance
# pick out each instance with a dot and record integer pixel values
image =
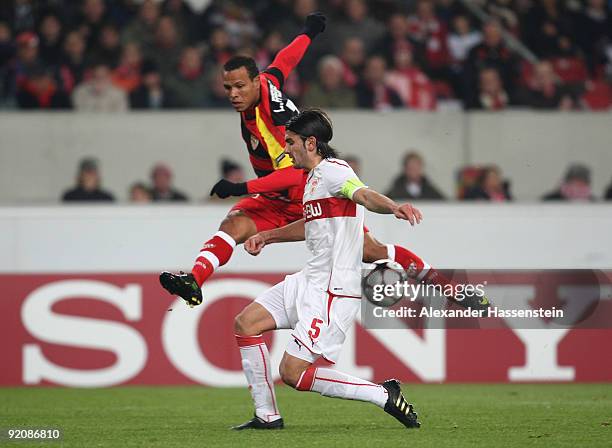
(452, 416)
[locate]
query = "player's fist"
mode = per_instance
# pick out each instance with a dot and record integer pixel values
(225, 189)
(254, 244)
(315, 24)
(409, 213)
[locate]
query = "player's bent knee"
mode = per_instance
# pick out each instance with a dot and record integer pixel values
(373, 250)
(289, 374)
(242, 326)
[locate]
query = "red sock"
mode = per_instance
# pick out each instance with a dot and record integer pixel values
(416, 267)
(215, 252)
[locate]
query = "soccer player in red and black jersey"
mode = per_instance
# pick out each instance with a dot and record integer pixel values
(278, 190)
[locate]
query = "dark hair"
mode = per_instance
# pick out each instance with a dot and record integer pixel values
(236, 62)
(314, 123)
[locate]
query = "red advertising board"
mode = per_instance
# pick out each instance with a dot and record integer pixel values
(110, 329)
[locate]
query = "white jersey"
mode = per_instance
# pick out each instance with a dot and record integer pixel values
(334, 228)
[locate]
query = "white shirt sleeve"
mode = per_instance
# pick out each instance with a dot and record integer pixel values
(340, 179)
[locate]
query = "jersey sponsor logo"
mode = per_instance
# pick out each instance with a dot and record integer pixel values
(312, 211)
(329, 208)
(276, 98)
(278, 102)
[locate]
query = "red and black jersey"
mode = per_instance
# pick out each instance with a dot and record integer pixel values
(263, 128)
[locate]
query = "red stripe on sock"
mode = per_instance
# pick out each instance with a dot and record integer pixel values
(263, 357)
(202, 268)
(245, 341)
(306, 380)
(345, 382)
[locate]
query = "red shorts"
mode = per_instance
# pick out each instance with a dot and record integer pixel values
(269, 214)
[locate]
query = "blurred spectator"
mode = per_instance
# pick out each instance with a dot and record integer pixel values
(329, 91)
(151, 94)
(74, 61)
(27, 58)
(127, 75)
(412, 182)
(372, 92)
(490, 186)
(491, 93)
(219, 49)
(190, 86)
(431, 33)
(358, 23)
(108, 50)
(547, 92)
(88, 184)
(593, 31)
(232, 172)
(353, 59)
(91, 22)
(7, 52)
(141, 30)
(491, 53)
(413, 86)
(98, 94)
(218, 96)
(545, 21)
(576, 185)
(40, 91)
(139, 193)
(184, 17)
(161, 178)
(504, 11)
(397, 34)
(167, 49)
(50, 32)
(354, 162)
(462, 39)
(608, 195)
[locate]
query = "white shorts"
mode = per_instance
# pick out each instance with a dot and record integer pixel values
(319, 320)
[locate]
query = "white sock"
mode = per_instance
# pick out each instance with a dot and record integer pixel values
(332, 383)
(256, 367)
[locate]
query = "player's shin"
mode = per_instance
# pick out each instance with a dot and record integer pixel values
(216, 252)
(256, 367)
(332, 383)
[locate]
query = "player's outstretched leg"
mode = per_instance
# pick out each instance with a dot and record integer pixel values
(417, 268)
(303, 376)
(217, 251)
(249, 325)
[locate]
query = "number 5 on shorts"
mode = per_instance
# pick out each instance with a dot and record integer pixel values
(314, 328)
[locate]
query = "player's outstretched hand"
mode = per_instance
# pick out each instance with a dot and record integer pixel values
(225, 189)
(254, 244)
(315, 24)
(408, 212)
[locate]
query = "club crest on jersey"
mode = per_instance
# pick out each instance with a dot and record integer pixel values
(254, 142)
(312, 210)
(313, 185)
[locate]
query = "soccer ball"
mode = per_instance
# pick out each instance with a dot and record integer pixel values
(384, 272)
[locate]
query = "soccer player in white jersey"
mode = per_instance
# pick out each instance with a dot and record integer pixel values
(320, 302)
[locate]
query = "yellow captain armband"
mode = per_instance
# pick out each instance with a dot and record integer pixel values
(350, 187)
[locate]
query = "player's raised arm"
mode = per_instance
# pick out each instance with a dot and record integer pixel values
(290, 56)
(290, 232)
(379, 203)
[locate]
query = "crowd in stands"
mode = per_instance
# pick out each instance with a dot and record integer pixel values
(114, 55)
(483, 183)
